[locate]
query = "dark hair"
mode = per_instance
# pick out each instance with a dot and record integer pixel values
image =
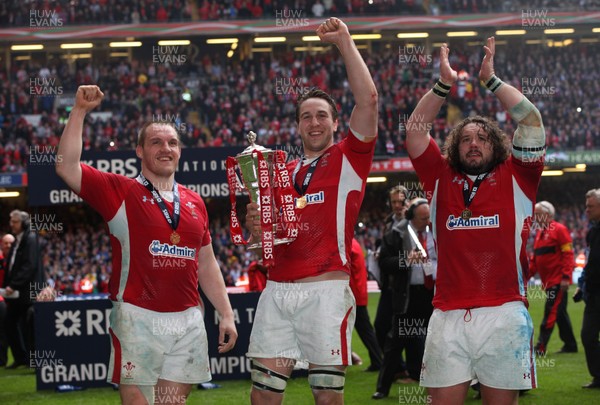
(142, 132)
(316, 93)
(500, 141)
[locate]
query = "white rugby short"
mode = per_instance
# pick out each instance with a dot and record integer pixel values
(304, 321)
(492, 345)
(148, 345)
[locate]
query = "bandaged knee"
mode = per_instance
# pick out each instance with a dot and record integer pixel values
(264, 378)
(327, 378)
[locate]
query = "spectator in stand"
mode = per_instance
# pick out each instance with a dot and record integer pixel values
(237, 105)
(318, 9)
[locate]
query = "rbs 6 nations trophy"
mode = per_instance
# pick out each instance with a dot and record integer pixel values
(266, 179)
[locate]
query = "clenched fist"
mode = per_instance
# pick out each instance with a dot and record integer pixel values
(88, 97)
(333, 30)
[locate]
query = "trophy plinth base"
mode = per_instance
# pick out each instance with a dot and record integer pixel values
(278, 241)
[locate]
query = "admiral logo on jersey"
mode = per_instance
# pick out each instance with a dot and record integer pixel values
(480, 222)
(164, 249)
(314, 198)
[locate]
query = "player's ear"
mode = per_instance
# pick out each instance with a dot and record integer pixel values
(138, 151)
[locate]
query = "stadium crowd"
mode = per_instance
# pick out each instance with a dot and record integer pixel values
(228, 99)
(78, 12)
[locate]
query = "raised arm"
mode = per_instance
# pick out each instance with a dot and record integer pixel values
(529, 139)
(70, 145)
(211, 282)
(421, 119)
(364, 115)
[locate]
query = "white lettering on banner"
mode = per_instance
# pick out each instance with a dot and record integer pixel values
(97, 322)
(63, 196)
(226, 365)
(117, 166)
(204, 165)
(68, 323)
(250, 312)
(210, 190)
(236, 316)
(74, 372)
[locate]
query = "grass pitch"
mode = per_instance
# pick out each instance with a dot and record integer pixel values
(560, 377)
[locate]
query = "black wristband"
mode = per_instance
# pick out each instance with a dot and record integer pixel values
(493, 84)
(441, 89)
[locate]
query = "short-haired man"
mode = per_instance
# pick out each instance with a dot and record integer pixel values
(398, 201)
(554, 260)
(6, 241)
(590, 328)
(22, 275)
(161, 252)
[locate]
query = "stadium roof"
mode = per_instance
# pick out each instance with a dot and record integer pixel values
(401, 23)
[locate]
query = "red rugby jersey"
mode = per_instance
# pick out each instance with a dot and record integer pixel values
(326, 224)
(553, 256)
(482, 261)
(148, 270)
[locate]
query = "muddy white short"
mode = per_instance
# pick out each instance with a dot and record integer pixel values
(304, 321)
(148, 345)
(492, 345)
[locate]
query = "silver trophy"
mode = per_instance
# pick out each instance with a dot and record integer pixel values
(248, 164)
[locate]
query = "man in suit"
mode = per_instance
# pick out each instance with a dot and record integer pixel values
(22, 278)
(590, 328)
(408, 255)
(398, 202)
(7, 242)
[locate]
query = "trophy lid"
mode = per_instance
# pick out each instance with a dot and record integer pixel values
(251, 137)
